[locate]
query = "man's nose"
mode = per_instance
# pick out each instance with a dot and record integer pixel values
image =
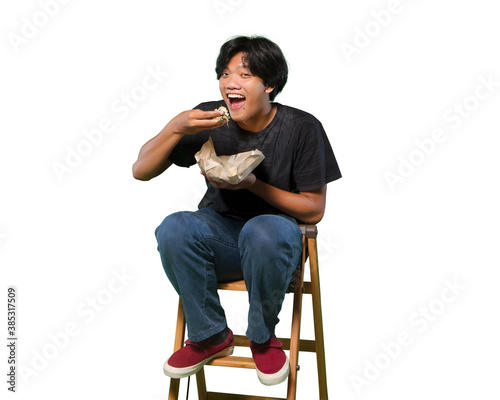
(233, 83)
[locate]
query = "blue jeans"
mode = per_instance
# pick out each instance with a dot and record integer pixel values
(199, 249)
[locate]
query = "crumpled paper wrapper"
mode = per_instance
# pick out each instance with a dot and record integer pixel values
(232, 169)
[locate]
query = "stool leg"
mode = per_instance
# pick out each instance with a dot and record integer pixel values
(295, 335)
(180, 331)
(201, 384)
(318, 319)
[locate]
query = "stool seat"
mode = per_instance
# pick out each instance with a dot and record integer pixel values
(293, 344)
(234, 285)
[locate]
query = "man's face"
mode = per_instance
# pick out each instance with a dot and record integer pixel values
(245, 94)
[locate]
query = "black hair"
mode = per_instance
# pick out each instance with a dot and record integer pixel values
(262, 57)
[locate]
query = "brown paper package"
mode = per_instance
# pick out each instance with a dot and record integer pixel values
(232, 169)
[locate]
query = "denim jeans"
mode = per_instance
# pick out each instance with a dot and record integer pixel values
(200, 248)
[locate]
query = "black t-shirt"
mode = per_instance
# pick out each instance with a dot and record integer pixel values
(298, 157)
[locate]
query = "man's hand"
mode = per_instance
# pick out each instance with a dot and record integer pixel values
(193, 121)
(244, 184)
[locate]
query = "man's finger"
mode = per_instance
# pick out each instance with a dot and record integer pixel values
(214, 184)
(208, 114)
(209, 123)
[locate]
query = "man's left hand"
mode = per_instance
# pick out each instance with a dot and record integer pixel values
(245, 183)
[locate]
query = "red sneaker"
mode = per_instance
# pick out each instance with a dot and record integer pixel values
(271, 361)
(194, 355)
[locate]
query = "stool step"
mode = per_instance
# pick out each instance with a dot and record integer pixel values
(305, 345)
(233, 361)
(230, 396)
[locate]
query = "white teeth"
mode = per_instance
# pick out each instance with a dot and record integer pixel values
(235, 96)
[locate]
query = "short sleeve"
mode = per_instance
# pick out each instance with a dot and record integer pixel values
(314, 163)
(183, 154)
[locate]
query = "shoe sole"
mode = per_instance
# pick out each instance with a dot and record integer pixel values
(277, 377)
(178, 373)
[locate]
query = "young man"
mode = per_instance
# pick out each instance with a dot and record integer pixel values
(248, 230)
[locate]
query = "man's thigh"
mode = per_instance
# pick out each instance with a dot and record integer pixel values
(219, 238)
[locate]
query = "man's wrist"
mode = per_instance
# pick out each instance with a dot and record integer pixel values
(256, 186)
(253, 182)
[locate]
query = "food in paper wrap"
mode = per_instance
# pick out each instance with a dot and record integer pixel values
(232, 169)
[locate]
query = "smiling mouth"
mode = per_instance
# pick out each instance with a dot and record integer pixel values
(236, 101)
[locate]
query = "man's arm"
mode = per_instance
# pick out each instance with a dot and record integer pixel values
(153, 156)
(307, 207)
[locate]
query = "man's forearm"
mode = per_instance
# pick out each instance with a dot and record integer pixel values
(308, 207)
(153, 156)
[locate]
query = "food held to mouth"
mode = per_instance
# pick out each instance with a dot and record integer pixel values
(223, 118)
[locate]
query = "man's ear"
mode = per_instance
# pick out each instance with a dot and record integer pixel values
(269, 89)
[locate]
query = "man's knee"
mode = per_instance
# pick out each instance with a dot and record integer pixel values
(173, 228)
(272, 231)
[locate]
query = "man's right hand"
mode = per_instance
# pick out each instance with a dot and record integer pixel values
(193, 121)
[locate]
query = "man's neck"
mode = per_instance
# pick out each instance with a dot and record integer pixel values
(259, 123)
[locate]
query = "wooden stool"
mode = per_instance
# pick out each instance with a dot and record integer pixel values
(294, 344)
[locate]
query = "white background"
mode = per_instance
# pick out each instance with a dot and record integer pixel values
(383, 253)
